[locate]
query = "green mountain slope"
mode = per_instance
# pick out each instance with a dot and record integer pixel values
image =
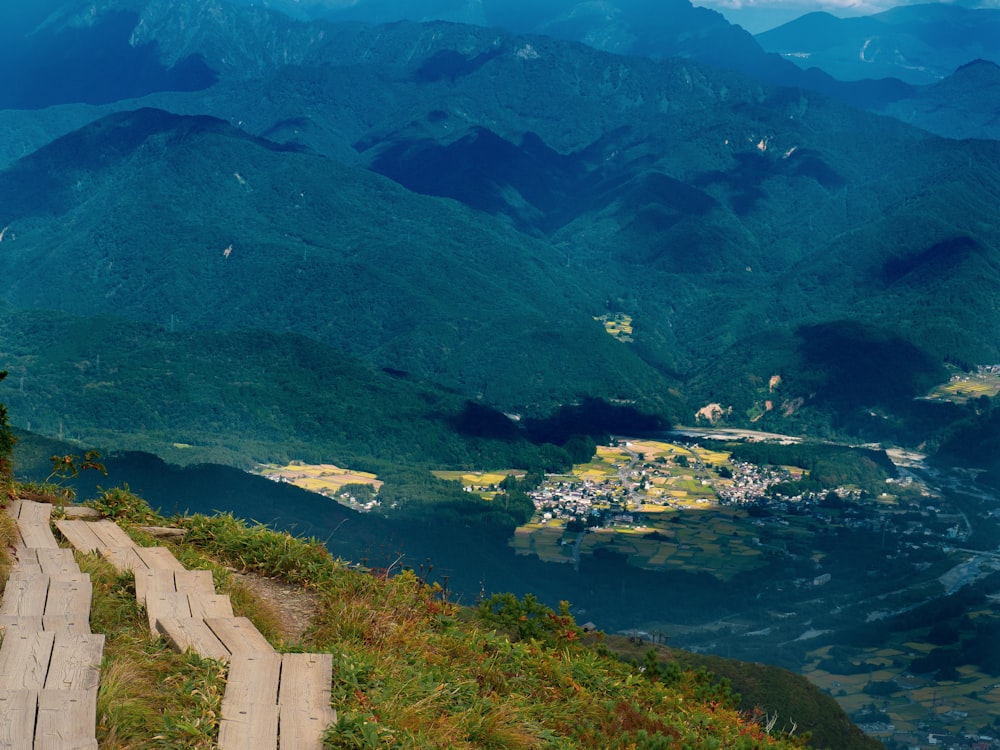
(190, 224)
(723, 217)
(963, 105)
(232, 397)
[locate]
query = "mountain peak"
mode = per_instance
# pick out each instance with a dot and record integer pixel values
(980, 65)
(975, 77)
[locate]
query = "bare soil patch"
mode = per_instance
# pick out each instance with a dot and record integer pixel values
(293, 606)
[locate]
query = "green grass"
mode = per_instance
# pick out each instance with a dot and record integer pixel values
(411, 668)
(147, 690)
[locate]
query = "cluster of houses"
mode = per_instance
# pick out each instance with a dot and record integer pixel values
(937, 738)
(618, 499)
(588, 501)
(751, 482)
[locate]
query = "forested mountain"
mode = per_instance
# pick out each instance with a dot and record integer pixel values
(660, 30)
(919, 44)
(746, 231)
(189, 223)
(966, 104)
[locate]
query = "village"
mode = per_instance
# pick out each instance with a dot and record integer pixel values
(631, 482)
(685, 506)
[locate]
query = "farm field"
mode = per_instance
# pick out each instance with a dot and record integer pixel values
(618, 325)
(323, 479)
(964, 387)
(483, 483)
(970, 700)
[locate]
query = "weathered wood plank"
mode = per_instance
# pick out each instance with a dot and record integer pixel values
(249, 717)
(37, 535)
(152, 581)
(69, 597)
(67, 720)
(75, 663)
(81, 512)
(304, 701)
(14, 508)
(239, 635)
(80, 535)
(125, 558)
(195, 582)
(164, 532)
(159, 557)
(17, 719)
(208, 607)
(26, 561)
(33, 522)
(24, 659)
(57, 562)
(32, 512)
(252, 680)
(185, 633)
(111, 534)
(249, 728)
(24, 596)
(13, 624)
(161, 604)
(72, 624)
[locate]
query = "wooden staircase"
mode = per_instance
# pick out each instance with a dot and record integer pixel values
(49, 660)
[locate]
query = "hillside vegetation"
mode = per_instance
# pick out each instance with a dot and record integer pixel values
(411, 669)
(746, 232)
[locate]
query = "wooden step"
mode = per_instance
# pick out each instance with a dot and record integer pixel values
(239, 635)
(57, 562)
(111, 534)
(25, 596)
(163, 604)
(70, 598)
(83, 512)
(33, 523)
(75, 663)
(185, 633)
(18, 709)
(159, 557)
(216, 606)
(11, 624)
(125, 559)
(80, 535)
(67, 720)
(24, 659)
(304, 701)
(253, 727)
(249, 717)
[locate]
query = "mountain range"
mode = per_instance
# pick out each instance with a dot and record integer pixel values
(919, 44)
(464, 205)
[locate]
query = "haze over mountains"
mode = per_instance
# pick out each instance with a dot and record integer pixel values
(919, 44)
(458, 204)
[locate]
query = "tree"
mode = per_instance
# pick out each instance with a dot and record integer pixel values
(7, 441)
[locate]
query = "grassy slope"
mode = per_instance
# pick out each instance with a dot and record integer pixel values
(411, 669)
(768, 690)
